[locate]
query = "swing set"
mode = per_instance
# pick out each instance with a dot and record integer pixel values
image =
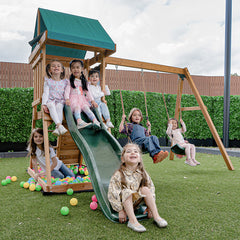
(183, 74)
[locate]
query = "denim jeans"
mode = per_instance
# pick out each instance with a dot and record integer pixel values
(63, 172)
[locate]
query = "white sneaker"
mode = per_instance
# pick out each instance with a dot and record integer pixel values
(136, 228)
(62, 130)
(161, 222)
(96, 122)
(109, 124)
(82, 124)
(190, 163)
(56, 132)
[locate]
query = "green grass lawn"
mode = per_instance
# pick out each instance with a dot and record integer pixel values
(198, 202)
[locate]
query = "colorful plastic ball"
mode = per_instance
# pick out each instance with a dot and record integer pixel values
(8, 177)
(81, 171)
(38, 188)
(93, 205)
(26, 185)
(70, 192)
(32, 187)
(64, 211)
(8, 180)
(94, 198)
(14, 178)
(21, 184)
(86, 172)
(75, 171)
(73, 201)
(4, 182)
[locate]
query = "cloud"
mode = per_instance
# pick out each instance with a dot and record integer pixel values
(182, 33)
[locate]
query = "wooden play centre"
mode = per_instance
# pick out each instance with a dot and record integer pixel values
(54, 39)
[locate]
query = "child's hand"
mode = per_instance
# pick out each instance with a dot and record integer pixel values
(122, 216)
(150, 215)
(94, 104)
(148, 123)
(123, 117)
(68, 102)
(45, 109)
(181, 121)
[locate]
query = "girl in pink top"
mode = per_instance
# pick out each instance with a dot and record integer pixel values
(77, 95)
(175, 134)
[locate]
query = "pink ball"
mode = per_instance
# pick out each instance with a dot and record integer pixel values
(93, 205)
(94, 198)
(8, 177)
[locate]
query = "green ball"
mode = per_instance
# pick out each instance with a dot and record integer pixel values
(64, 211)
(38, 188)
(21, 184)
(69, 192)
(8, 180)
(4, 182)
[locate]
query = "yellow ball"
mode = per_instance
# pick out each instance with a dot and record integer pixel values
(32, 187)
(26, 185)
(86, 172)
(14, 178)
(73, 201)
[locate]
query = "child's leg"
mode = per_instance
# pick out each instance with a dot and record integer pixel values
(104, 111)
(151, 204)
(57, 174)
(91, 116)
(59, 109)
(66, 171)
(128, 207)
(53, 113)
(77, 113)
(188, 161)
(193, 154)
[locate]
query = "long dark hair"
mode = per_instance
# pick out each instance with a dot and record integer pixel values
(82, 77)
(140, 166)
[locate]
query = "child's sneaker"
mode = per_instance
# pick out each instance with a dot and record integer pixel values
(195, 161)
(81, 124)
(161, 222)
(109, 124)
(159, 157)
(62, 130)
(190, 163)
(56, 132)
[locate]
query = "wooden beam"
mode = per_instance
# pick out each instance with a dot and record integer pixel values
(38, 47)
(209, 120)
(191, 108)
(143, 65)
(79, 46)
(38, 59)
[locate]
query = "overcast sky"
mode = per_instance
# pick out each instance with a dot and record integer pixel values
(181, 33)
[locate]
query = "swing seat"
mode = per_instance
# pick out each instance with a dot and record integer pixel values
(178, 149)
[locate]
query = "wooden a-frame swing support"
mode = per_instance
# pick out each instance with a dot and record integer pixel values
(184, 73)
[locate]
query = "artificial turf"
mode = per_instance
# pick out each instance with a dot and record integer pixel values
(198, 202)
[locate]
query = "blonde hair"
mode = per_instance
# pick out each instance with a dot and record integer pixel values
(131, 113)
(140, 166)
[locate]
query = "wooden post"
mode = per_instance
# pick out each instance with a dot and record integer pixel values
(209, 120)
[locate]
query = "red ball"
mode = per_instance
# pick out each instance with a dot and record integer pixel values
(93, 205)
(94, 198)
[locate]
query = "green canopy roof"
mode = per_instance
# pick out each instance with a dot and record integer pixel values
(70, 28)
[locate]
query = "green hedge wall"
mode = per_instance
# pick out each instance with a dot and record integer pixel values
(16, 113)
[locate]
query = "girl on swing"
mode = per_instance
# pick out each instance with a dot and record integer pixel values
(175, 134)
(141, 136)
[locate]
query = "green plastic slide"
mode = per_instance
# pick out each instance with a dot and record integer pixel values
(101, 153)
